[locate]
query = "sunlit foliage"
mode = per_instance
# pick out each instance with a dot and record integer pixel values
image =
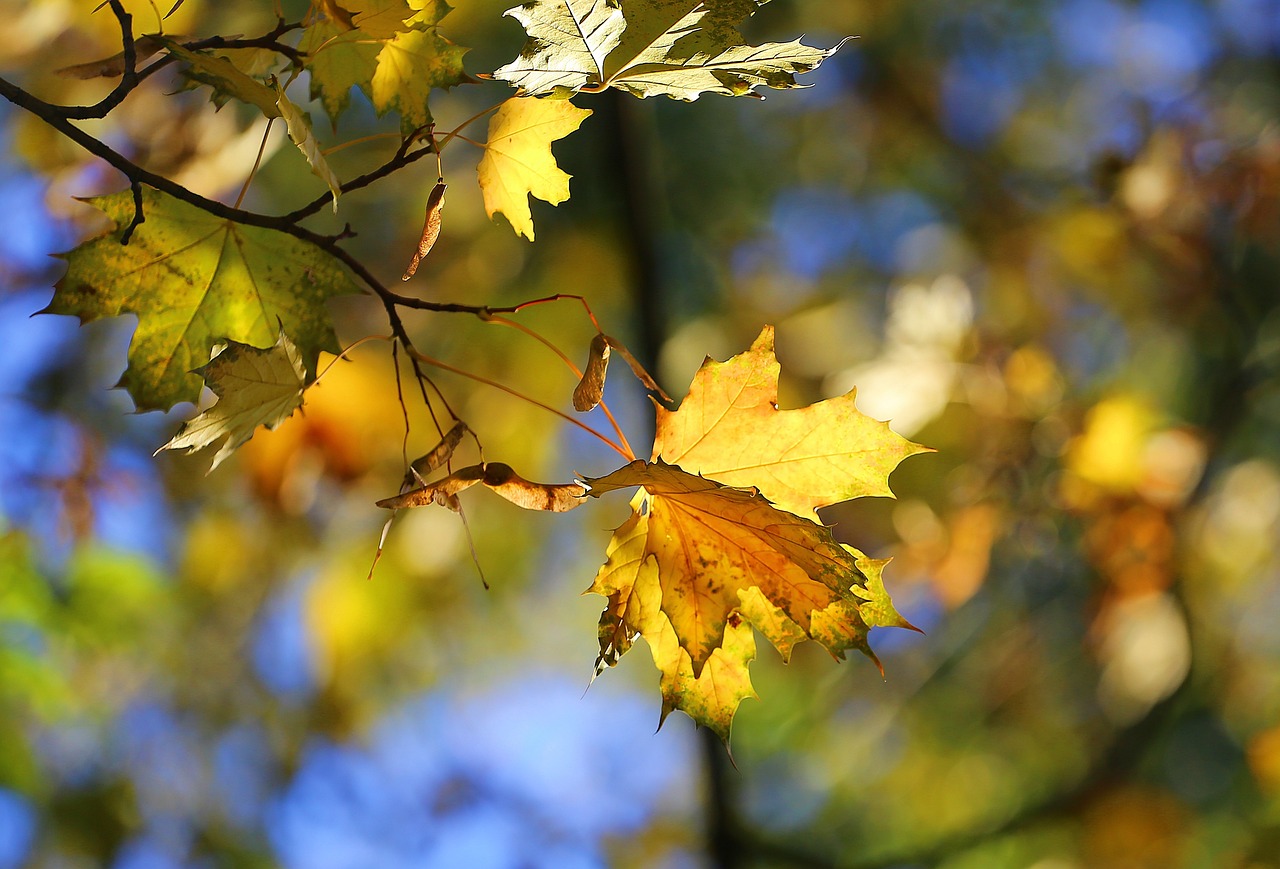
(1040, 237)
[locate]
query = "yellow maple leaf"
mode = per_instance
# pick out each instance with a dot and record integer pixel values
(390, 49)
(518, 162)
(729, 539)
(727, 542)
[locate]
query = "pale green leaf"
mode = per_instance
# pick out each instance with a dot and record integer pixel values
(300, 134)
(254, 387)
(736, 71)
(676, 48)
(568, 43)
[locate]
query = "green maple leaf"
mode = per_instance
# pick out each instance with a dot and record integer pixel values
(518, 162)
(254, 387)
(194, 281)
(410, 64)
(227, 80)
(677, 48)
(390, 49)
(338, 61)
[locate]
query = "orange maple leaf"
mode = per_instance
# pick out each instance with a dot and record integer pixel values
(724, 535)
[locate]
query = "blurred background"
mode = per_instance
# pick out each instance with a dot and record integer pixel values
(1042, 237)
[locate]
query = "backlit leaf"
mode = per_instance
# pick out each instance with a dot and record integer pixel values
(730, 429)
(338, 60)
(677, 48)
(730, 541)
(390, 49)
(410, 64)
(568, 43)
(517, 161)
(254, 387)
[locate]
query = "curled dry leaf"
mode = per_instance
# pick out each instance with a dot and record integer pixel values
(551, 497)
(430, 228)
(590, 388)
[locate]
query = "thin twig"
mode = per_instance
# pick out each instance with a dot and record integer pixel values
(436, 363)
(577, 372)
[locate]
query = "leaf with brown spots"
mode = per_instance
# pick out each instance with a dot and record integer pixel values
(196, 281)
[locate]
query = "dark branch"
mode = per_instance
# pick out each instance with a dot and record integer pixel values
(267, 40)
(132, 77)
(399, 161)
(138, 217)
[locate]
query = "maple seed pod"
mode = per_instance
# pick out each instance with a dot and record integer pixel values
(430, 228)
(590, 388)
(439, 454)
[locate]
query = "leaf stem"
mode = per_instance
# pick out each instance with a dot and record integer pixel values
(454, 133)
(345, 350)
(436, 363)
(577, 372)
(362, 140)
(257, 161)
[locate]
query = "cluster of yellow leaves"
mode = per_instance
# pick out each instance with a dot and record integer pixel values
(390, 49)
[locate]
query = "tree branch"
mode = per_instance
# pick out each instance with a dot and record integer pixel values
(131, 77)
(399, 161)
(52, 115)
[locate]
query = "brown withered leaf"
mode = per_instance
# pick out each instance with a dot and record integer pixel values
(637, 369)
(590, 388)
(144, 47)
(437, 456)
(430, 228)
